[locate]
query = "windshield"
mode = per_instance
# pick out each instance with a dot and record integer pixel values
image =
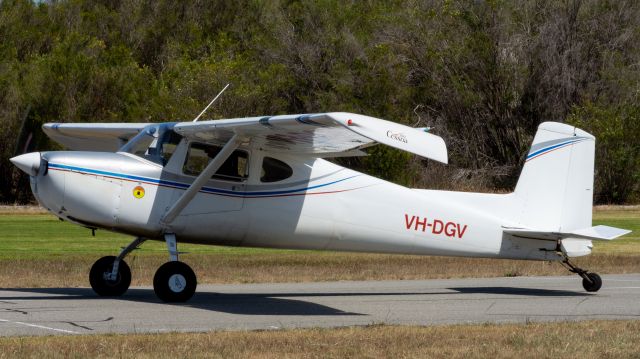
(155, 143)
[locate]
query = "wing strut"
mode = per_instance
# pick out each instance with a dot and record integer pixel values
(201, 180)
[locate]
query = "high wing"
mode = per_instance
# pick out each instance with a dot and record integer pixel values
(318, 135)
(92, 136)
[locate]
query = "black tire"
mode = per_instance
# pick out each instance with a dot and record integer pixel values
(109, 288)
(594, 285)
(174, 282)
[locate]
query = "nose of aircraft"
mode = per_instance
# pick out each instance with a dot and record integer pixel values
(29, 163)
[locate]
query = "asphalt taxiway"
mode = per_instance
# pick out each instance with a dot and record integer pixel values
(50, 311)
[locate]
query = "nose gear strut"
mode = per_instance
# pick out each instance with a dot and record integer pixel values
(111, 276)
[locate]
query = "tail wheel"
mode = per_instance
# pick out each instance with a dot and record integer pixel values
(593, 284)
(174, 282)
(99, 274)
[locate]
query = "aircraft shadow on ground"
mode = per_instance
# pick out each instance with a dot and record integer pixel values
(245, 304)
(531, 292)
(267, 303)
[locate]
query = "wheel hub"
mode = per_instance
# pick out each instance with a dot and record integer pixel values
(110, 278)
(104, 282)
(177, 283)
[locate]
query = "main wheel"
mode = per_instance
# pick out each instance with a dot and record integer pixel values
(106, 287)
(594, 285)
(174, 282)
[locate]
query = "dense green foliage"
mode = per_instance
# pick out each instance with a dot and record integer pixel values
(484, 74)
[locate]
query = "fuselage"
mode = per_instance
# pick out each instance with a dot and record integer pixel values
(320, 206)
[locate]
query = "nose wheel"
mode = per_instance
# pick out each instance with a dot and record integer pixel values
(102, 281)
(111, 276)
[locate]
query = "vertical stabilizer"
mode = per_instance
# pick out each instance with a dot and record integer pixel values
(555, 189)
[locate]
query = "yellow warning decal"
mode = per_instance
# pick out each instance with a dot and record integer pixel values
(138, 192)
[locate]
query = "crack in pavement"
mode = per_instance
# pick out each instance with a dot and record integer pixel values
(14, 310)
(489, 307)
(75, 323)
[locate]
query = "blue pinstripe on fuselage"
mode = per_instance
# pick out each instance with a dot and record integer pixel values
(182, 185)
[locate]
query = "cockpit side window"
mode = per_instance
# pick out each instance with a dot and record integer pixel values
(139, 145)
(274, 170)
(234, 169)
(169, 144)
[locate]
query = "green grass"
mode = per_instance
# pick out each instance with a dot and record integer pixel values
(28, 236)
(42, 235)
(621, 218)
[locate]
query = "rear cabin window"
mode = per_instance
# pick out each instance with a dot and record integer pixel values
(233, 169)
(274, 170)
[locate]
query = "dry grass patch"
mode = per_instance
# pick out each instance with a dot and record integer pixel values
(16, 209)
(592, 339)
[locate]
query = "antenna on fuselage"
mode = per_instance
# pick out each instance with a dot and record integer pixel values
(210, 103)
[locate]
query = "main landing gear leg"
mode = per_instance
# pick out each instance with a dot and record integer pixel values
(590, 281)
(111, 276)
(174, 281)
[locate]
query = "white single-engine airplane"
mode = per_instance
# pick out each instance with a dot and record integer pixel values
(263, 182)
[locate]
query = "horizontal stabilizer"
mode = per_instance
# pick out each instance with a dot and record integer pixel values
(597, 233)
